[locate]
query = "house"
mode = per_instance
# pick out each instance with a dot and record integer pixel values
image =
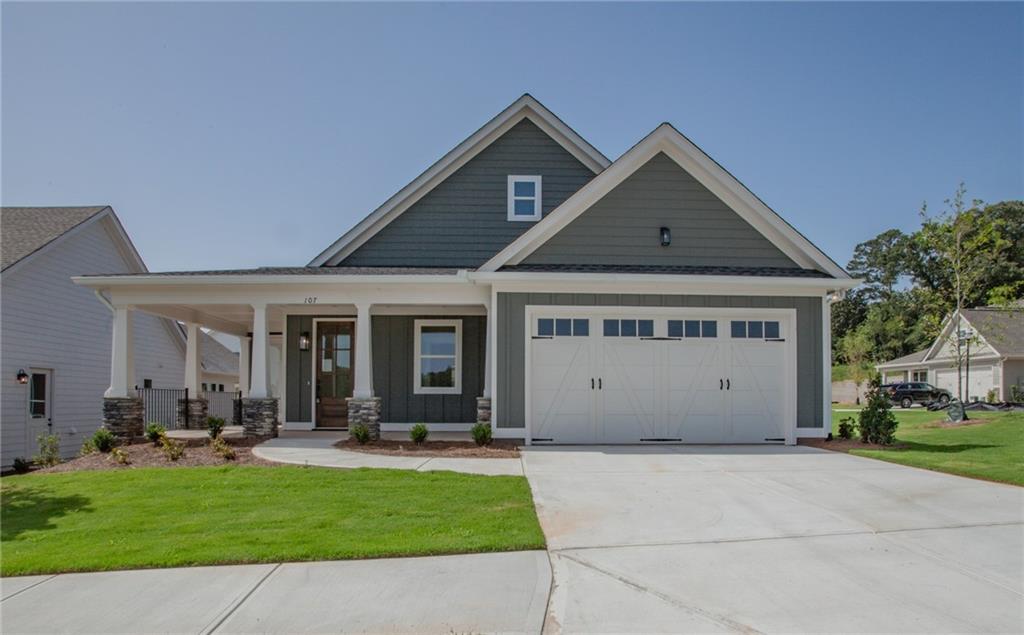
(56, 340)
(992, 353)
(526, 281)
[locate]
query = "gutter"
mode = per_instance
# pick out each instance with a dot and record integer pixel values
(104, 300)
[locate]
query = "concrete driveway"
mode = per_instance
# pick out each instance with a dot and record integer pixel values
(773, 539)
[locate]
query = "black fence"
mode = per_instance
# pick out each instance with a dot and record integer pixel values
(161, 405)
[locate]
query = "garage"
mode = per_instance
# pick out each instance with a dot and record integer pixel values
(660, 376)
(977, 380)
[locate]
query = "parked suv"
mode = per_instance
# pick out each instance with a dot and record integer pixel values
(906, 394)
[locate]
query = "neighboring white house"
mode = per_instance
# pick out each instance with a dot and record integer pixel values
(995, 338)
(59, 336)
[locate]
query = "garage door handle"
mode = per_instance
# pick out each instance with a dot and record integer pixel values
(727, 384)
(720, 382)
(599, 383)
(591, 383)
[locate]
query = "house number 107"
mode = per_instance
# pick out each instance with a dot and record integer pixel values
(311, 300)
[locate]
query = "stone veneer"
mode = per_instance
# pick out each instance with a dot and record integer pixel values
(123, 417)
(483, 409)
(366, 412)
(196, 410)
(259, 417)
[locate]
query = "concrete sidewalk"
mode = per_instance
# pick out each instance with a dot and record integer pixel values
(495, 592)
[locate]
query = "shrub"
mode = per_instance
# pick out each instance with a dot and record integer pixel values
(846, 427)
(360, 433)
(214, 425)
(877, 424)
(990, 396)
(87, 448)
(154, 432)
(119, 455)
(22, 465)
(481, 433)
(173, 450)
(1016, 394)
(419, 433)
(103, 440)
(221, 447)
(49, 450)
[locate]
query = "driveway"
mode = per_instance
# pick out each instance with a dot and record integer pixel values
(773, 539)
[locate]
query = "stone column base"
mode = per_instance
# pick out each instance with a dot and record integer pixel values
(123, 417)
(365, 412)
(192, 413)
(259, 416)
(483, 409)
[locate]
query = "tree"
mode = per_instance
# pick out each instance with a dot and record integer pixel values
(846, 315)
(881, 261)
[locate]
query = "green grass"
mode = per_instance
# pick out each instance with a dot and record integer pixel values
(164, 517)
(992, 449)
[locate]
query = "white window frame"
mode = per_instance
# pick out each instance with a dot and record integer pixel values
(512, 198)
(914, 373)
(419, 389)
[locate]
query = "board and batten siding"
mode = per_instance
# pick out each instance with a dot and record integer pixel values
(51, 323)
(463, 221)
(392, 356)
(511, 312)
(623, 227)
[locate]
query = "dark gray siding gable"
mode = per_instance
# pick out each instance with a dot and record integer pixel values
(622, 228)
(511, 313)
(463, 221)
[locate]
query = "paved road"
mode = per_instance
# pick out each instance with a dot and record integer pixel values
(773, 539)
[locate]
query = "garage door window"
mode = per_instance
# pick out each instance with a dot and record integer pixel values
(629, 328)
(563, 327)
(692, 328)
(754, 329)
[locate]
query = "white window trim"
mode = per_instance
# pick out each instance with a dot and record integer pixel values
(432, 390)
(512, 198)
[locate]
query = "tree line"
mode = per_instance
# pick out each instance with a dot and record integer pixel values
(968, 255)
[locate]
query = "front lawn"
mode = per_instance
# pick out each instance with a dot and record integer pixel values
(991, 447)
(163, 517)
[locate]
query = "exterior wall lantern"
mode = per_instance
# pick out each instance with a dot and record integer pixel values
(22, 376)
(304, 341)
(666, 236)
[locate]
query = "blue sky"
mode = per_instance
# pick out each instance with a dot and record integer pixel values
(238, 135)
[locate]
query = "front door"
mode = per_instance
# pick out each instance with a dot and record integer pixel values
(40, 405)
(334, 343)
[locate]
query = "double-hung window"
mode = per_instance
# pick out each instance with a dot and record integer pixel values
(437, 367)
(524, 201)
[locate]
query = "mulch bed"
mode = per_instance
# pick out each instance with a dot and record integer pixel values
(147, 455)
(499, 449)
(845, 445)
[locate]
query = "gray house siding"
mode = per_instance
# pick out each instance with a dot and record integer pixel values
(392, 359)
(463, 221)
(622, 228)
(511, 313)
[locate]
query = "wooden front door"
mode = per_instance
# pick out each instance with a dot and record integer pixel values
(334, 377)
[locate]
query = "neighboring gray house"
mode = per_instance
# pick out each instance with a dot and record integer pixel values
(996, 348)
(527, 281)
(59, 335)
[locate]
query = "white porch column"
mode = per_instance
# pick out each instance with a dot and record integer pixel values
(122, 356)
(488, 353)
(260, 351)
(243, 365)
(363, 387)
(193, 361)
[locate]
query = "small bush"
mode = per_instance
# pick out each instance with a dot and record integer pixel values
(877, 424)
(214, 425)
(173, 450)
(103, 440)
(22, 465)
(1016, 394)
(154, 432)
(221, 447)
(87, 448)
(360, 433)
(119, 455)
(846, 427)
(49, 450)
(990, 396)
(419, 433)
(481, 433)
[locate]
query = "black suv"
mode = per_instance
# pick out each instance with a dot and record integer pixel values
(907, 393)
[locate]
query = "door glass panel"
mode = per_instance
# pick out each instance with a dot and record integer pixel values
(709, 328)
(545, 327)
(755, 329)
(646, 328)
(675, 328)
(628, 328)
(563, 326)
(611, 328)
(692, 328)
(37, 395)
(739, 328)
(771, 330)
(581, 328)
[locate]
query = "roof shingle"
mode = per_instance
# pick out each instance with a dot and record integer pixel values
(25, 230)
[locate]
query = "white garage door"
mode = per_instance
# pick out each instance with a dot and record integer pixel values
(690, 376)
(977, 381)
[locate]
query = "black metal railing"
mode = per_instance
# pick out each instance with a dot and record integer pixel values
(161, 405)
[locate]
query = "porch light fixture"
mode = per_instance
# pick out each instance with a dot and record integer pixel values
(304, 341)
(666, 236)
(22, 376)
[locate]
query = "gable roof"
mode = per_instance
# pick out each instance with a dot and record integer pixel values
(1002, 328)
(526, 107)
(217, 358)
(666, 139)
(26, 230)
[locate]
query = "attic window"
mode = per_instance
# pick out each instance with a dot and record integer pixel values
(524, 198)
